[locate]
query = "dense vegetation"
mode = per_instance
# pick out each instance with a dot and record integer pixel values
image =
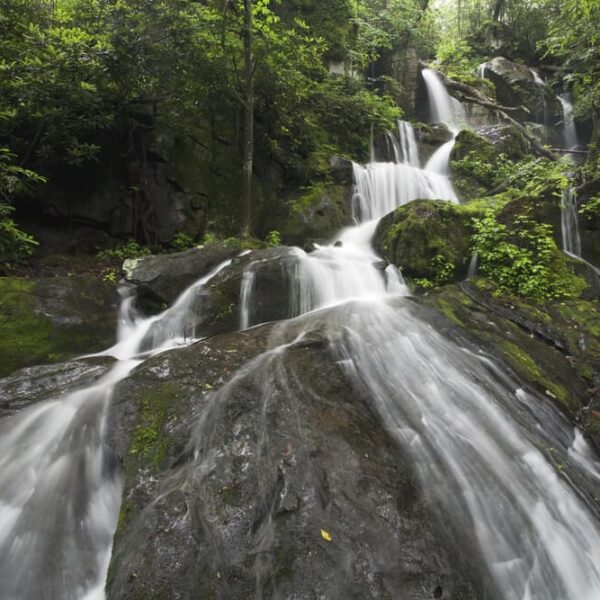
(85, 80)
(76, 73)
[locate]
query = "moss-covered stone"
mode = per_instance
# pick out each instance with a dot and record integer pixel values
(429, 239)
(473, 163)
(552, 346)
(318, 213)
(49, 320)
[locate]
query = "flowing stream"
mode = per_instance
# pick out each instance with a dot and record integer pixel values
(569, 127)
(476, 438)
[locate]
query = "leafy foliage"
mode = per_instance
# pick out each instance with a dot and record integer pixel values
(519, 260)
(131, 249)
(14, 243)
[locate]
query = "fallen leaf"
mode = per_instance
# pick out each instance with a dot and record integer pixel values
(325, 535)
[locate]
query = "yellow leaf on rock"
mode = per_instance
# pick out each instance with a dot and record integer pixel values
(325, 535)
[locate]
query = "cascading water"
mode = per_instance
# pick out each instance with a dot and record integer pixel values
(409, 151)
(473, 434)
(444, 108)
(536, 77)
(403, 146)
(447, 110)
(569, 128)
(470, 429)
(60, 488)
(570, 223)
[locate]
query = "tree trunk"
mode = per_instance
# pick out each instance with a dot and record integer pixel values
(248, 150)
(498, 10)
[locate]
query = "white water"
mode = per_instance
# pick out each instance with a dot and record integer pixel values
(473, 435)
(472, 266)
(408, 149)
(443, 108)
(536, 77)
(570, 223)
(569, 128)
(60, 489)
(461, 419)
(447, 110)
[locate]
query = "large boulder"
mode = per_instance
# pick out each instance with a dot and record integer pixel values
(166, 276)
(321, 211)
(430, 137)
(516, 86)
(506, 139)
(54, 318)
(255, 287)
(428, 240)
(277, 481)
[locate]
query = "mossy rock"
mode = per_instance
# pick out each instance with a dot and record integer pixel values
(318, 213)
(52, 319)
(589, 230)
(553, 346)
(506, 139)
(430, 136)
(516, 87)
(416, 235)
(472, 164)
(283, 445)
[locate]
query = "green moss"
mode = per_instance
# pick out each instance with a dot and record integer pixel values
(448, 311)
(321, 211)
(25, 337)
(525, 366)
(150, 444)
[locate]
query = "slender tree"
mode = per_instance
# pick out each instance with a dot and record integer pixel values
(248, 150)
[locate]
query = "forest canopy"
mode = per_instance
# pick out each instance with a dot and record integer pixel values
(75, 74)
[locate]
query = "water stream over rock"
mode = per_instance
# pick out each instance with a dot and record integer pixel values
(475, 439)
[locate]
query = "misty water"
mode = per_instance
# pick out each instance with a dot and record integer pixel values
(476, 438)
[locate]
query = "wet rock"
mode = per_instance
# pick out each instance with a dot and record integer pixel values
(516, 86)
(341, 170)
(34, 384)
(51, 319)
(165, 276)
(589, 229)
(229, 481)
(430, 137)
(554, 347)
(264, 277)
(428, 239)
(321, 211)
(506, 139)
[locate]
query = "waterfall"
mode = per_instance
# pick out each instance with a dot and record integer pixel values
(536, 77)
(481, 69)
(403, 146)
(60, 489)
(569, 127)
(472, 266)
(447, 110)
(409, 151)
(444, 108)
(570, 223)
(476, 439)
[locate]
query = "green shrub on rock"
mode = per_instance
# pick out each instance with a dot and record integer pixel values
(522, 259)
